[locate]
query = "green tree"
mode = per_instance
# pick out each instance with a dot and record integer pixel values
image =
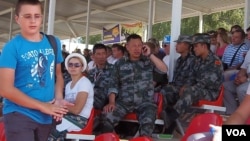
(159, 30)
(224, 19)
(190, 26)
(93, 39)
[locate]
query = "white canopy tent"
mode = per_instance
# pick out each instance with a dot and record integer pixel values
(74, 18)
(70, 18)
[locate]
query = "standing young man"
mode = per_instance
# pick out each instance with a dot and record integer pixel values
(31, 96)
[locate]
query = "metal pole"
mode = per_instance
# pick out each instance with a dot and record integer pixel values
(87, 24)
(11, 22)
(247, 14)
(51, 18)
(175, 32)
(150, 18)
(200, 23)
(44, 15)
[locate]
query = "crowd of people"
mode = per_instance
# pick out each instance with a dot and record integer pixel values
(48, 93)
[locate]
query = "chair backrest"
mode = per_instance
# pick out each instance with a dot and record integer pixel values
(89, 127)
(159, 102)
(107, 137)
(200, 123)
(141, 139)
(217, 102)
(2, 132)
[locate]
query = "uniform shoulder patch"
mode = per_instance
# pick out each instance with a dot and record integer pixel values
(217, 62)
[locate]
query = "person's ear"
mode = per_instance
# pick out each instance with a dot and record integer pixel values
(17, 19)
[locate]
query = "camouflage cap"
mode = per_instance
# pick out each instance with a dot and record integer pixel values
(184, 38)
(201, 38)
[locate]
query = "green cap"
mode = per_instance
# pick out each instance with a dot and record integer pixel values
(184, 38)
(201, 38)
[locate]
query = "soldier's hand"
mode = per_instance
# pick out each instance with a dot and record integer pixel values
(109, 107)
(181, 90)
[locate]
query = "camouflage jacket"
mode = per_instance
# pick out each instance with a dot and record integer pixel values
(183, 73)
(100, 78)
(208, 74)
(132, 81)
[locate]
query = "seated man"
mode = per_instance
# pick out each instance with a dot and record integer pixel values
(234, 54)
(208, 79)
(237, 88)
(183, 70)
(100, 76)
(118, 52)
(132, 84)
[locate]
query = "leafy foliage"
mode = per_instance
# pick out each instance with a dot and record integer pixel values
(190, 26)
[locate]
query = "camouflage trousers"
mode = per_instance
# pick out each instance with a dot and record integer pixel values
(77, 120)
(191, 95)
(171, 95)
(146, 115)
(100, 102)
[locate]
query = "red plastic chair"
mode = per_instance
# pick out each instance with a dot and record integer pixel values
(141, 139)
(2, 132)
(86, 132)
(88, 128)
(107, 137)
(217, 102)
(200, 123)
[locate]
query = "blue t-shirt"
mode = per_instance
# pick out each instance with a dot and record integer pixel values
(33, 63)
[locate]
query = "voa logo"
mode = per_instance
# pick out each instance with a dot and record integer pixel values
(236, 132)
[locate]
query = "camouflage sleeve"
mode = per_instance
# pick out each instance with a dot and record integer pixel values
(190, 72)
(114, 80)
(90, 75)
(211, 76)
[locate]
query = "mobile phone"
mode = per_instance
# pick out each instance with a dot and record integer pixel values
(144, 49)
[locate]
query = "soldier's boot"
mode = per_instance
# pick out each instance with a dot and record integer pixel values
(169, 117)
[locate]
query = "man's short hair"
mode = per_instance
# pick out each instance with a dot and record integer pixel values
(154, 41)
(248, 29)
(23, 2)
(119, 47)
(242, 32)
(133, 36)
(99, 46)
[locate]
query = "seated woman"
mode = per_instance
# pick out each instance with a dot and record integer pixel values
(78, 91)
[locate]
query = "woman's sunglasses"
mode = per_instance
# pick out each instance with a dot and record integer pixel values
(76, 65)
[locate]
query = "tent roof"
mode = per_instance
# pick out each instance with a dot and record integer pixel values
(70, 19)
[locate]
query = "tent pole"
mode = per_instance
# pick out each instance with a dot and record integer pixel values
(200, 22)
(247, 14)
(87, 24)
(175, 32)
(150, 18)
(11, 22)
(51, 17)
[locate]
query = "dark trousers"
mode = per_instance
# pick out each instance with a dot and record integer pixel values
(19, 127)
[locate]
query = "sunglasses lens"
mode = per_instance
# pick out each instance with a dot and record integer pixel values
(76, 65)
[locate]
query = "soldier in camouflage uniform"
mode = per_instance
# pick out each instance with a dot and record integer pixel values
(208, 78)
(100, 76)
(133, 86)
(183, 73)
